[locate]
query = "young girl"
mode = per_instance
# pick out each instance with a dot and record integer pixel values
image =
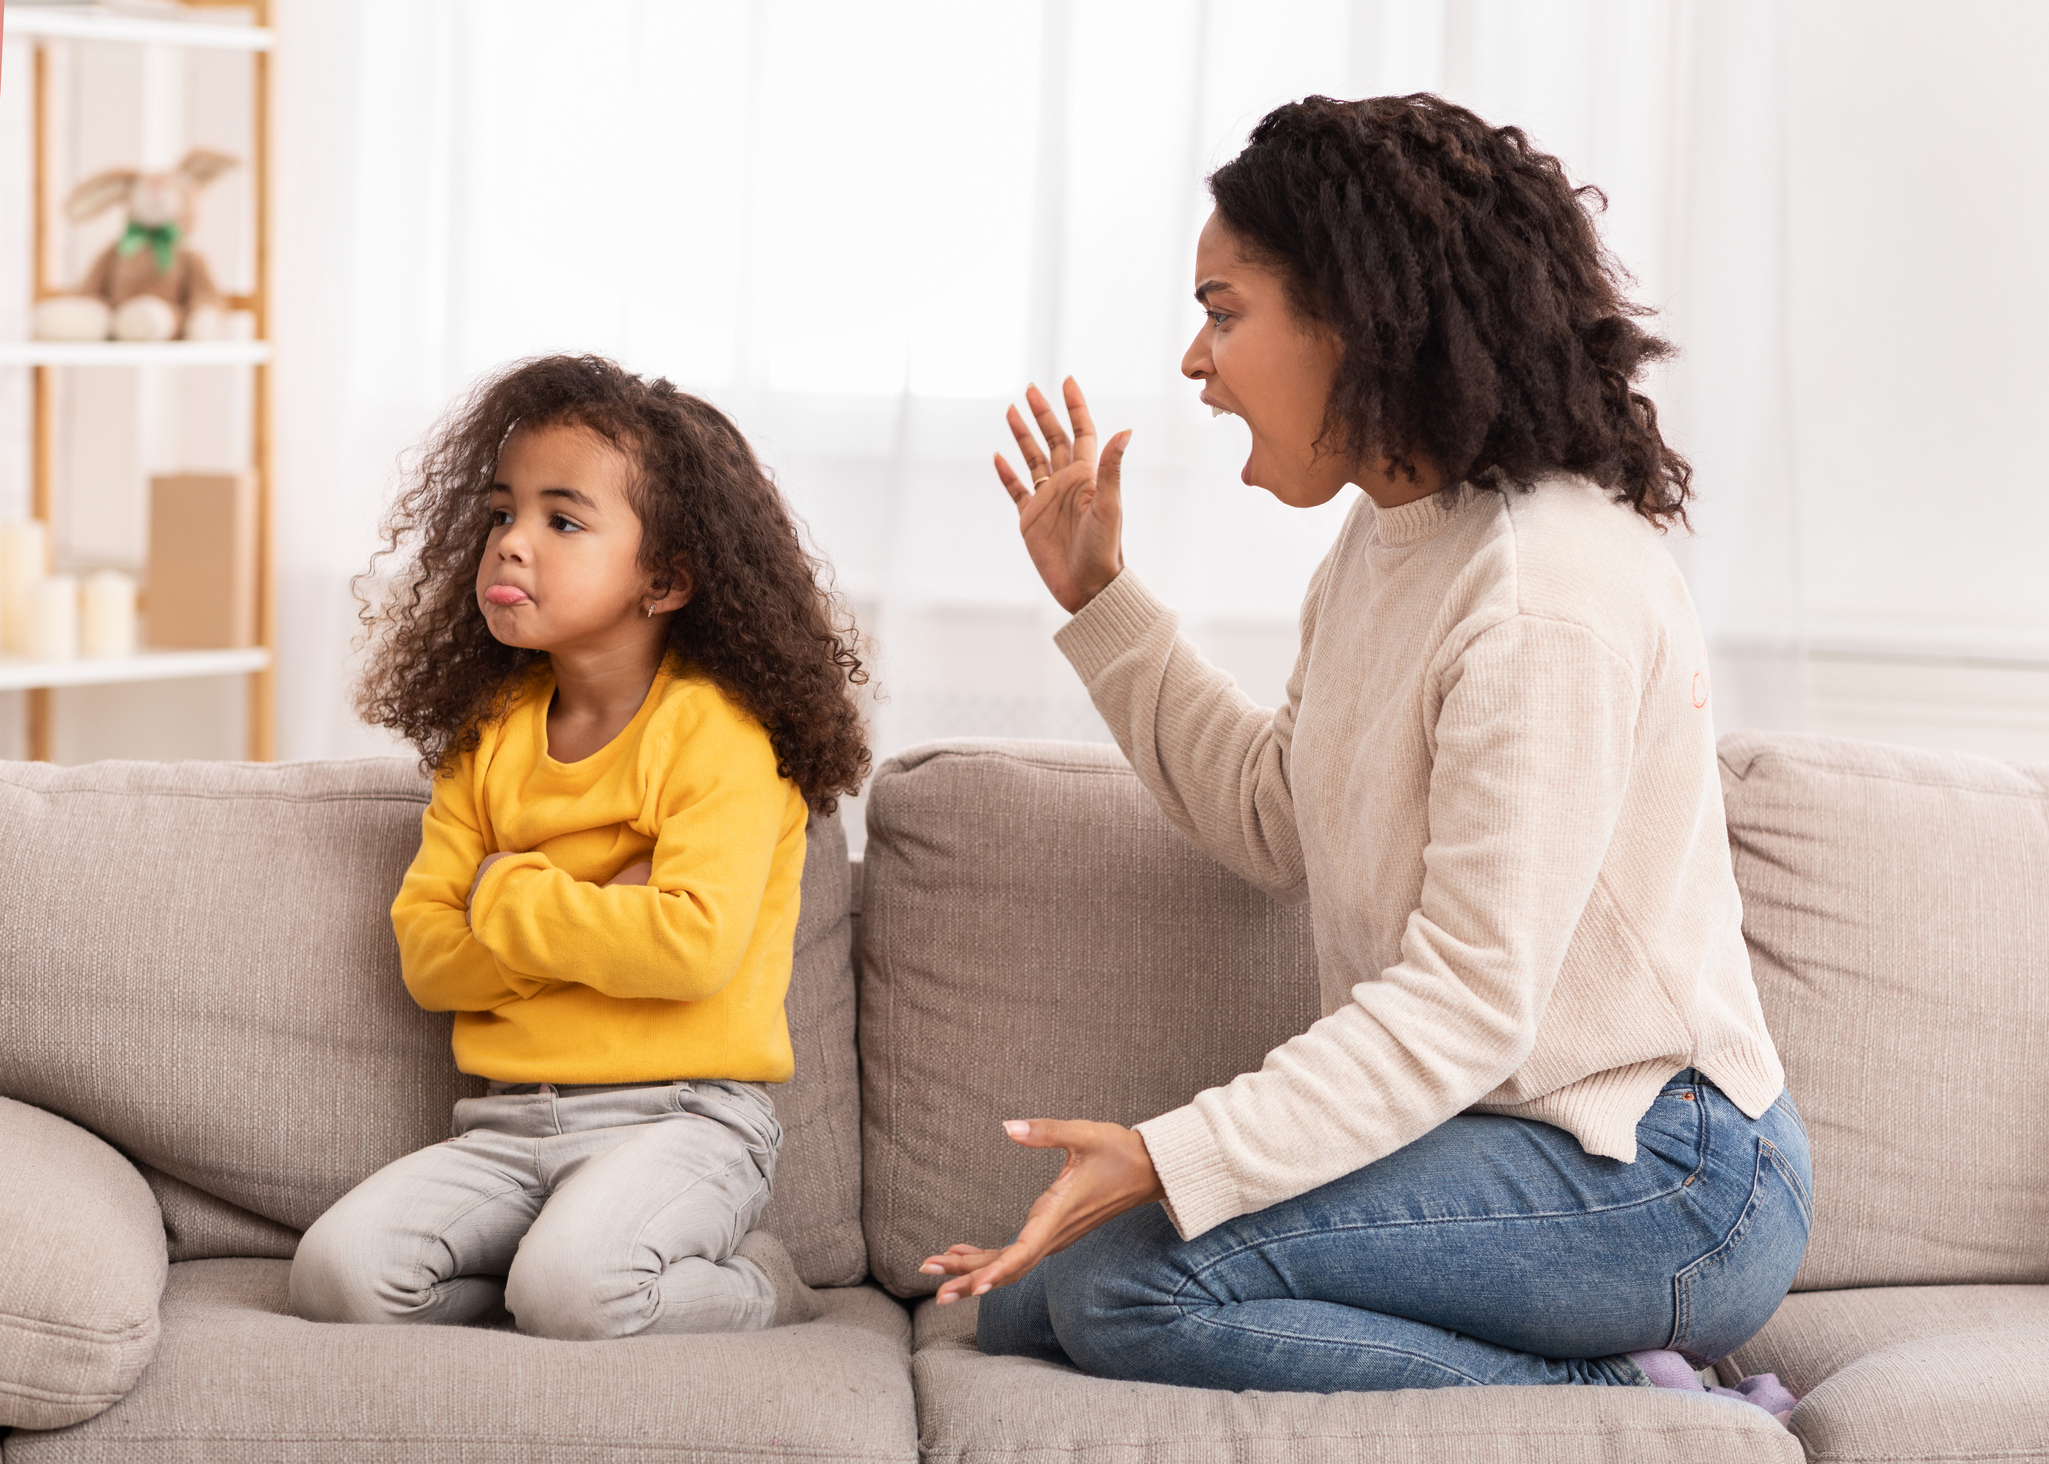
(614, 653)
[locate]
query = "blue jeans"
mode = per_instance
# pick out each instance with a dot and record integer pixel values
(1491, 1250)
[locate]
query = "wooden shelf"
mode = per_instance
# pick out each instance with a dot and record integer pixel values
(134, 353)
(68, 24)
(19, 673)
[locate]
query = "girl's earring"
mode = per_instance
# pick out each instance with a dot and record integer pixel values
(650, 609)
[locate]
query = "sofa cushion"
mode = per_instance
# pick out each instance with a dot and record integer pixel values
(816, 1207)
(238, 1379)
(1912, 1372)
(1039, 942)
(199, 1225)
(81, 1269)
(1967, 1398)
(1816, 1334)
(1897, 908)
(201, 968)
(1008, 1410)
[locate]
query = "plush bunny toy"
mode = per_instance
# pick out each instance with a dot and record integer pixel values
(146, 285)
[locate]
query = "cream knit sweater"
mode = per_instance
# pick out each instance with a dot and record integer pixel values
(1494, 780)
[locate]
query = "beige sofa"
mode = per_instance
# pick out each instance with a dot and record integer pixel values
(203, 1042)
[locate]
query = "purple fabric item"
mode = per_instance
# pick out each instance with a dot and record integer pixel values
(1766, 1391)
(1668, 1369)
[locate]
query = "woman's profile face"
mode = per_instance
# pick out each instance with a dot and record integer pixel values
(1259, 360)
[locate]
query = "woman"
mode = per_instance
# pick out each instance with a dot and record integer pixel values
(1541, 1133)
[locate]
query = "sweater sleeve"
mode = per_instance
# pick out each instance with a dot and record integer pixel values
(681, 936)
(1526, 785)
(1217, 764)
(445, 967)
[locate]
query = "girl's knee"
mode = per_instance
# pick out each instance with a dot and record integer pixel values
(339, 1274)
(553, 1292)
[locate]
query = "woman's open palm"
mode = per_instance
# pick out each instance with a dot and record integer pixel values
(1109, 1170)
(1068, 504)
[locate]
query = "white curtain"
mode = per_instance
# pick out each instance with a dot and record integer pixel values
(862, 229)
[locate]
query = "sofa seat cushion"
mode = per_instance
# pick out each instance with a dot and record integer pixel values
(1912, 1372)
(236, 1378)
(980, 1410)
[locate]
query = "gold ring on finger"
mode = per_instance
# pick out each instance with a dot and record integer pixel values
(1037, 481)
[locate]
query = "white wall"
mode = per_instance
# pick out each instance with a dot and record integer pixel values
(1918, 304)
(1917, 165)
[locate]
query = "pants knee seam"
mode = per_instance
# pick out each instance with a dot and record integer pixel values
(1195, 1314)
(1195, 1274)
(637, 1239)
(684, 1193)
(440, 1236)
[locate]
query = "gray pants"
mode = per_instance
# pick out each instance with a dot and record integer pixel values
(586, 1212)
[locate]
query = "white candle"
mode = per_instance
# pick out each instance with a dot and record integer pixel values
(107, 626)
(24, 559)
(53, 619)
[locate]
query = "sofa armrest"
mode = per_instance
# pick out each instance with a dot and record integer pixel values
(82, 1270)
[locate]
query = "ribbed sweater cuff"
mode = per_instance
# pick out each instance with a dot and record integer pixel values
(1109, 625)
(1200, 1191)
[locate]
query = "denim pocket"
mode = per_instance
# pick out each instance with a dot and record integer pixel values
(1721, 1300)
(744, 1108)
(1676, 1133)
(1790, 1173)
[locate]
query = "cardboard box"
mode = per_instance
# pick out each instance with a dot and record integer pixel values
(201, 587)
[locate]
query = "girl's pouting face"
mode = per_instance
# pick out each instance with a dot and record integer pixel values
(1259, 360)
(561, 570)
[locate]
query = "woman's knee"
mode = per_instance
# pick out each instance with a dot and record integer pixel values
(1110, 1290)
(1014, 1321)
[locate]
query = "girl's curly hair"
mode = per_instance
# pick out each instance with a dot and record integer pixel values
(1485, 327)
(762, 621)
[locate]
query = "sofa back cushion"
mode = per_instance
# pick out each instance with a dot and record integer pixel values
(200, 968)
(1897, 908)
(1039, 942)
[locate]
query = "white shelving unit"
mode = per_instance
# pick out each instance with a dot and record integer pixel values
(85, 24)
(134, 353)
(18, 673)
(44, 26)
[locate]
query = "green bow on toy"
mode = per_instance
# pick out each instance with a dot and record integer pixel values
(161, 238)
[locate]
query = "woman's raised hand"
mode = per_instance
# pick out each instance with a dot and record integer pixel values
(1068, 507)
(1108, 1171)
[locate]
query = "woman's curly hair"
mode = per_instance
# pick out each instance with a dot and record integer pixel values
(1485, 327)
(761, 622)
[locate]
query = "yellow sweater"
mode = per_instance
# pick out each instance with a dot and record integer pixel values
(554, 977)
